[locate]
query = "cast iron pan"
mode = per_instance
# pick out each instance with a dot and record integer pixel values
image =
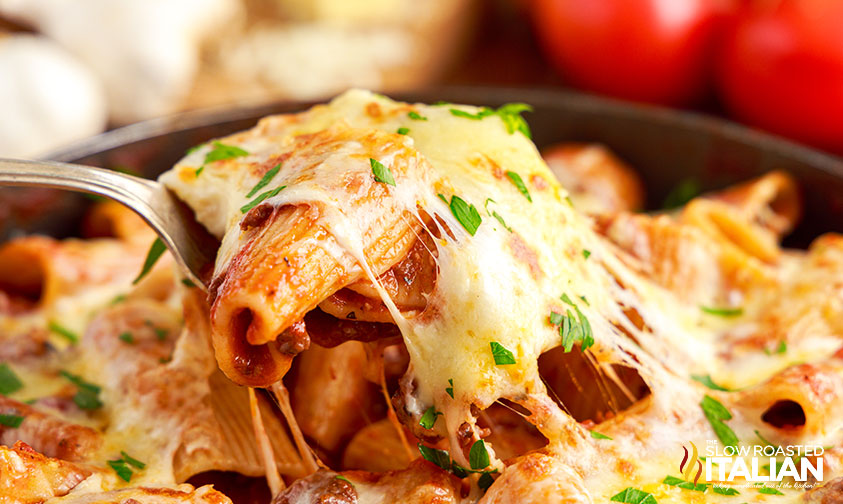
(665, 146)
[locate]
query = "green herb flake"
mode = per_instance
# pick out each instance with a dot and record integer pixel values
(722, 312)
(221, 152)
(597, 435)
(199, 171)
(416, 116)
(510, 114)
(122, 470)
(586, 253)
(403, 131)
(266, 179)
(439, 457)
(584, 300)
(161, 334)
(769, 491)
(708, 382)
(428, 419)
(485, 481)
(193, 149)
(343, 478)
(634, 496)
(495, 214)
(502, 356)
(450, 390)
(484, 112)
(717, 414)
(255, 202)
(63, 332)
(12, 421)
(188, 283)
(381, 172)
(683, 192)
(478, 457)
(724, 490)
(9, 381)
(126, 337)
(519, 184)
(87, 394)
(466, 214)
(565, 298)
(118, 299)
(132, 461)
(556, 318)
(782, 348)
(687, 485)
(155, 251)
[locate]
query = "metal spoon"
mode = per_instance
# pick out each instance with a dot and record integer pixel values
(191, 245)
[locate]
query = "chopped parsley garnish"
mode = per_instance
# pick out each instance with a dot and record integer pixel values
(597, 435)
(221, 152)
(9, 381)
(193, 149)
(416, 116)
(87, 394)
(717, 414)
(266, 179)
(439, 457)
(584, 300)
(155, 251)
(428, 419)
(381, 172)
(485, 481)
(343, 478)
(466, 214)
(634, 496)
(682, 193)
(478, 457)
(687, 485)
(586, 253)
(502, 356)
(126, 337)
(782, 348)
(450, 390)
(519, 184)
(708, 382)
(63, 332)
(569, 201)
(188, 283)
(724, 491)
(769, 491)
(122, 470)
(573, 329)
(132, 461)
(118, 299)
(160, 333)
(722, 312)
(495, 214)
(255, 202)
(403, 131)
(121, 465)
(12, 421)
(484, 112)
(510, 114)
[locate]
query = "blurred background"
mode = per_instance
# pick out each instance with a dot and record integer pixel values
(73, 68)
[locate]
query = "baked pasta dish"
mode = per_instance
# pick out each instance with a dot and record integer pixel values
(411, 304)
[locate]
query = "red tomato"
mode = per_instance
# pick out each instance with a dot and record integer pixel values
(782, 69)
(648, 50)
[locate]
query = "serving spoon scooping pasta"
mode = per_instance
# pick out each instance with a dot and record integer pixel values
(192, 247)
